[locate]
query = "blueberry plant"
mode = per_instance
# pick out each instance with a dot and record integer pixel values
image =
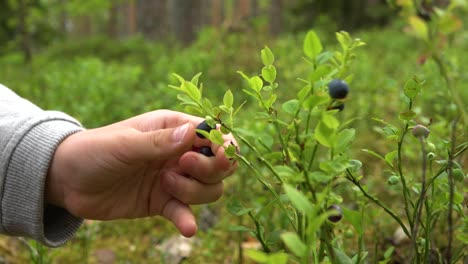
(297, 147)
(299, 157)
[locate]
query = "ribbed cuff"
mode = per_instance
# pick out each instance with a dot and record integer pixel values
(23, 207)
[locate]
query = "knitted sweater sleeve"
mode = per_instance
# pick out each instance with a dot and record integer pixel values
(28, 139)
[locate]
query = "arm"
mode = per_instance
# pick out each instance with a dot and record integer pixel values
(29, 137)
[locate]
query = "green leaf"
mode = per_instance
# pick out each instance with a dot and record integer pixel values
(257, 256)
(330, 121)
(389, 157)
(216, 137)
(373, 153)
(290, 106)
(278, 258)
(298, 199)
(412, 87)
(354, 217)
(323, 134)
(269, 73)
(191, 90)
(341, 257)
(178, 77)
(267, 56)
(407, 116)
(195, 79)
(228, 99)
(321, 176)
(344, 139)
(235, 207)
(312, 45)
(419, 27)
(320, 72)
(256, 83)
(294, 244)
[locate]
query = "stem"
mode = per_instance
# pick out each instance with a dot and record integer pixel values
(259, 234)
(268, 186)
(451, 193)
(352, 179)
(420, 202)
(402, 178)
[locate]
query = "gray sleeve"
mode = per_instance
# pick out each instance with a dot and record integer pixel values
(28, 139)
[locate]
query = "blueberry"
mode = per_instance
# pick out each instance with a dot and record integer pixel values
(338, 89)
(206, 151)
(420, 131)
(337, 213)
(204, 126)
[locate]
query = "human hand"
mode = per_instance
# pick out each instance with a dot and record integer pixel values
(139, 167)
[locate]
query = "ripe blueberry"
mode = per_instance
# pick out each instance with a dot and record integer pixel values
(206, 151)
(337, 213)
(204, 126)
(338, 89)
(420, 131)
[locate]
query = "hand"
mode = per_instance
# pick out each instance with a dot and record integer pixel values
(139, 167)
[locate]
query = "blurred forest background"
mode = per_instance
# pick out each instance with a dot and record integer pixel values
(102, 61)
(30, 25)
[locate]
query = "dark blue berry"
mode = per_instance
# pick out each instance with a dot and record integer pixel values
(337, 213)
(204, 126)
(338, 89)
(206, 151)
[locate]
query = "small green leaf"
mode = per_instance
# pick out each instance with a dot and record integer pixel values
(407, 116)
(321, 176)
(354, 217)
(257, 256)
(344, 139)
(298, 199)
(269, 73)
(195, 79)
(330, 121)
(320, 72)
(267, 56)
(323, 134)
(419, 27)
(412, 87)
(191, 90)
(228, 99)
(294, 243)
(216, 137)
(312, 45)
(290, 106)
(341, 257)
(256, 83)
(389, 157)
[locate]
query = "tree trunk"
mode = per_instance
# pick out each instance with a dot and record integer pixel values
(152, 19)
(25, 39)
(216, 13)
(131, 18)
(113, 20)
(181, 19)
(276, 19)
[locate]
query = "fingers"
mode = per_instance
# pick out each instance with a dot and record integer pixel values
(181, 216)
(208, 170)
(191, 191)
(160, 144)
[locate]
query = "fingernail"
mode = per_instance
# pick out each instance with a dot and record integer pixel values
(179, 133)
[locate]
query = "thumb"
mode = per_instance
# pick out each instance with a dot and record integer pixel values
(163, 143)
